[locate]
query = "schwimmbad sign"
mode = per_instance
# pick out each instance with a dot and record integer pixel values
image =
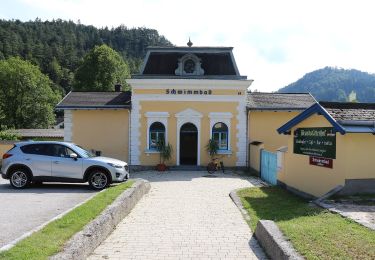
(317, 141)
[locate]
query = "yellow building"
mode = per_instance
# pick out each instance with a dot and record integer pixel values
(330, 144)
(266, 113)
(186, 96)
(183, 95)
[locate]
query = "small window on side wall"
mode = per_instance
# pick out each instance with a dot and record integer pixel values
(220, 135)
(157, 133)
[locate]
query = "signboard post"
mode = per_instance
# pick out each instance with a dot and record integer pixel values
(316, 142)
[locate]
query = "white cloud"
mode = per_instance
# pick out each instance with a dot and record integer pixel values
(276, 42)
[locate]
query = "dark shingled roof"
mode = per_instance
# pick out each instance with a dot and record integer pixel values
(32, 133)
(166, 63)
(279, 101)
(217, 62)
(350, 111)
(87, 100)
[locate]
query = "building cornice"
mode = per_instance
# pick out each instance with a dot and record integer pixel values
(188, 83)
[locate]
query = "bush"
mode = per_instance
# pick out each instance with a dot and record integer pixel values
(8, 136)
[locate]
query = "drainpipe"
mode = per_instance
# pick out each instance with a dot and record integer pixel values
(247, 138)
(129, 140)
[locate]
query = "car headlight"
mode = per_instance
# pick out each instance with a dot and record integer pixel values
(115, 165)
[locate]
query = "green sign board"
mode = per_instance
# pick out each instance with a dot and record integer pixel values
(317, 141)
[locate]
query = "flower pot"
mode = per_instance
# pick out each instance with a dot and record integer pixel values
(161, 167)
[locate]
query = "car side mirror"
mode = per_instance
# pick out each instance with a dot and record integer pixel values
(73, 156)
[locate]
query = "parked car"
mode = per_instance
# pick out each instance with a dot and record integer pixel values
(46, 161)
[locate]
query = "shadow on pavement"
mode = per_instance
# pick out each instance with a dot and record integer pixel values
(48, 188)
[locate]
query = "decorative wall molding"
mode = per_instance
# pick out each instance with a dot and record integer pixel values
(241, 134)
(135, 132)
(189, 64)
(221, 117)
(188, 116)
(190, 83)
(153, 117)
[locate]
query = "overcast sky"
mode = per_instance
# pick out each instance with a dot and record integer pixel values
(275, 42)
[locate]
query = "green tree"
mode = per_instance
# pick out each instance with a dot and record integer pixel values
(100, 70)
(26, 97)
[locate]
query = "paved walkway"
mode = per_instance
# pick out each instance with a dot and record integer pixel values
(184, 216)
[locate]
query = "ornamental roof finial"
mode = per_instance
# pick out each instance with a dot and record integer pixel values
(189, 43)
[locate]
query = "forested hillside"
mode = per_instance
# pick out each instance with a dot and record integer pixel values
(58, 46)
(335, 84)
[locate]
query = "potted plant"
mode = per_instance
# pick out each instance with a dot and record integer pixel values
(165, 154)
(212, 147)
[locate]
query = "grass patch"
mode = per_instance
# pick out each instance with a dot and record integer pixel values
(315, 233)
(51, 239)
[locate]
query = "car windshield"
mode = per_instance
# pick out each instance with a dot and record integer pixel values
(84, 153)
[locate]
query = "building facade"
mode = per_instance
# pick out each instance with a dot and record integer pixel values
(187, 96)
(183, 95)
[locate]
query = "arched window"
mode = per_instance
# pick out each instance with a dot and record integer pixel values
(157, 133)
(220, 135)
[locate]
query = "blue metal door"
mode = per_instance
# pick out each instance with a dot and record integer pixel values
(268, 169)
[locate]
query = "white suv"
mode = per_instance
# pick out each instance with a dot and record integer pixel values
(48, 161)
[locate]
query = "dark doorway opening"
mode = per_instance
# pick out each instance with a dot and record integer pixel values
(188, 144)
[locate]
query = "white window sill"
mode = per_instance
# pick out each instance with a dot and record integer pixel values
(148, 151)
(224, 152)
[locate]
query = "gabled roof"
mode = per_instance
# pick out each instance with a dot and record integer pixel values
(216, 62)
(96, 100)
(279, 101)
(344, 117)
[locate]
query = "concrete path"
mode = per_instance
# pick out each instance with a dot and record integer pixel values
(184, 216)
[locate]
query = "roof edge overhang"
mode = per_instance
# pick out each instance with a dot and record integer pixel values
(277, 109)
(91, 107)
(189, 49)
(314, 109)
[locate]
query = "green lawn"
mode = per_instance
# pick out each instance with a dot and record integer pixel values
(52, 237)
(314, 232)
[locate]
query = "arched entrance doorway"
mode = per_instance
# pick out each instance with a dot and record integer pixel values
(188, 144)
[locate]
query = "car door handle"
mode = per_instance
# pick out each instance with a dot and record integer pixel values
(56, 162)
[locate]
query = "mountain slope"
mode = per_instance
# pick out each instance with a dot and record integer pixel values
(58, 46)
(336, 84)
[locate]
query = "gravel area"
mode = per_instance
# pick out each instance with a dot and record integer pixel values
(363, 214)
(24, 210)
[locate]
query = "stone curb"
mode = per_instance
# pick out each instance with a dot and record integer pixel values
(274, 242)
(233, 195)
(82, 244)
(268, 235)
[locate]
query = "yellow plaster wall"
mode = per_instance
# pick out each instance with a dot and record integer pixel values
(352, 161)
(174, 107)
(102, 130)
(214, 91)
(262, 127)
(4, 147)
(359, 159)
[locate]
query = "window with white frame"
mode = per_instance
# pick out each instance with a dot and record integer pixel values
(220, 135)
(156, 134)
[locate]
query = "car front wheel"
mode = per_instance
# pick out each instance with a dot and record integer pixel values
(98, 180)
(20, 179)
